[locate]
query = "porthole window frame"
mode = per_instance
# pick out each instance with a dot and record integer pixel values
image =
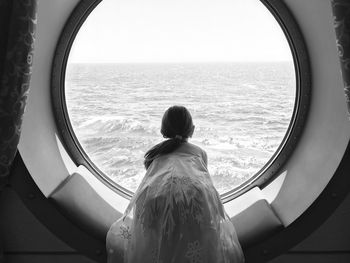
(262, 178)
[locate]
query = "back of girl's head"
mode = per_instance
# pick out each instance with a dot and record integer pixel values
(177, 120)
(177, 125)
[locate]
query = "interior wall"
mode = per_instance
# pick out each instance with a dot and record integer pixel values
(25, 239)
(329, 244)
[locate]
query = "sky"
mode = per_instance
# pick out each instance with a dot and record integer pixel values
(167, 31)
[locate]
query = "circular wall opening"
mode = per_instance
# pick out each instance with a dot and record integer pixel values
(233, 64)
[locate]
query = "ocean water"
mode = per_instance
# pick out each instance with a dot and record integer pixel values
(241, 112)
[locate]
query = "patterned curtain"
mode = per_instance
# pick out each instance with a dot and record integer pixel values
(341, 12)
(17, 27)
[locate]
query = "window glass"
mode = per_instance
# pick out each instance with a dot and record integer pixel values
(228, 62)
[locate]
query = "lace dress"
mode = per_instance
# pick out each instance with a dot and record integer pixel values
(175, 216)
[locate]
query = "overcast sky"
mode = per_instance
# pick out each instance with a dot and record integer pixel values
(133, 31)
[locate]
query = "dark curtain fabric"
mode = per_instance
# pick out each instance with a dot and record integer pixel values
(17, 26)
(341, 12)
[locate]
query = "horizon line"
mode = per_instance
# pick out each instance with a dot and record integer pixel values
(180, 62)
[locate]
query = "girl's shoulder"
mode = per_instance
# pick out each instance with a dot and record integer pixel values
(192, 149)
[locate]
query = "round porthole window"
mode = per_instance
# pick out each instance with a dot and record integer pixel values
(238, 66)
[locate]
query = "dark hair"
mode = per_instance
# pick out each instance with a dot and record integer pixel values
(177, 126)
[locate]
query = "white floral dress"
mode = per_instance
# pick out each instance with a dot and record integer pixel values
(175, 216)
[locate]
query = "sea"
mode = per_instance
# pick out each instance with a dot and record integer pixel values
(241, 113)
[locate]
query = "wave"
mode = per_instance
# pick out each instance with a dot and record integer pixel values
(110, 124)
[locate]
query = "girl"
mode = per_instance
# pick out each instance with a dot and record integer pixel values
(176, 215)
